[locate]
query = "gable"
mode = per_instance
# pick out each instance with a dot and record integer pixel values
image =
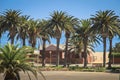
(52, 48)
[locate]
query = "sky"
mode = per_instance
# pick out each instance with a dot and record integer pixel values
(41, 9)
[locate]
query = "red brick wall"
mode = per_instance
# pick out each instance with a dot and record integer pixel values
(72, 58)
(116, 60)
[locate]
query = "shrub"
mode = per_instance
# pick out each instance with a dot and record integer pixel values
(116, 55)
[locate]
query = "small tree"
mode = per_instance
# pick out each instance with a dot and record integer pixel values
(13, 60)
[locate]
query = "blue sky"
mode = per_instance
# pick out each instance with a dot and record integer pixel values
(82, 9)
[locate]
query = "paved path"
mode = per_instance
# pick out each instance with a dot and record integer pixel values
(71, 75)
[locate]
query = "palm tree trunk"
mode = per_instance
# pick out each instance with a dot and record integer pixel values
(33, 45)
(85, 53)
(110, 53)
(58, 55)
(12, 34)
(66, 52)
(0, 42)
(104, 51)
(33, 42)
(10, 76)
(12, 41)
(23, 42)
(43, 53)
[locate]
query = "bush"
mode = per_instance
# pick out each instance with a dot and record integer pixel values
(87, 69)
(114, 69)
(100, 69)
(116, 55)
(73, 68)
(53, 68)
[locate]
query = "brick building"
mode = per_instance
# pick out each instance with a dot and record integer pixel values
(72, 58)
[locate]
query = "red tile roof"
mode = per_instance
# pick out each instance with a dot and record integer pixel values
(52, 48)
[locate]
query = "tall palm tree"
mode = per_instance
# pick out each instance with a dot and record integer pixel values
(57, 24)
(69, 25)
(1, 29)
(22, 31)
(0, 34)
(76, 45)
(13, 60)
(10, 22)
(33, 31)
(115, 32)
(45, 34)
(104, 22)
(84, 31)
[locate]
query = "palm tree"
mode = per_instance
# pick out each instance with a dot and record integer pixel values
(33, 31)
(69, 25)
(104, 22)
(57, 24)
(113, 33)
(0, 35)
(10, 21)
(45, 34)
(22, 31)
(84, 31)
(1, 29)
(76, 45)
(13, 60)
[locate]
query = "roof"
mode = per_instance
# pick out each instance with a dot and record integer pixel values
(52, 47)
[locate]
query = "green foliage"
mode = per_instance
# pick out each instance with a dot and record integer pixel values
(10, 22)
(100, 69)
(106, 25)
(87, 69)
(53, 68)
(57, 22)
(73, 68)
(33, 31)
(22, 31)
(13, 60)
(116, 49)
(116, 55)
(115, 69)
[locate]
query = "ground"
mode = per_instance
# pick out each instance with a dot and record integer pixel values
(72, 75)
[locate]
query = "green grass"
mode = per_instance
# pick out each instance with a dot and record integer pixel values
(73, 68)
(88, 69)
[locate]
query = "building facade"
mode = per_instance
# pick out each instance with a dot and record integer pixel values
(72, 58)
